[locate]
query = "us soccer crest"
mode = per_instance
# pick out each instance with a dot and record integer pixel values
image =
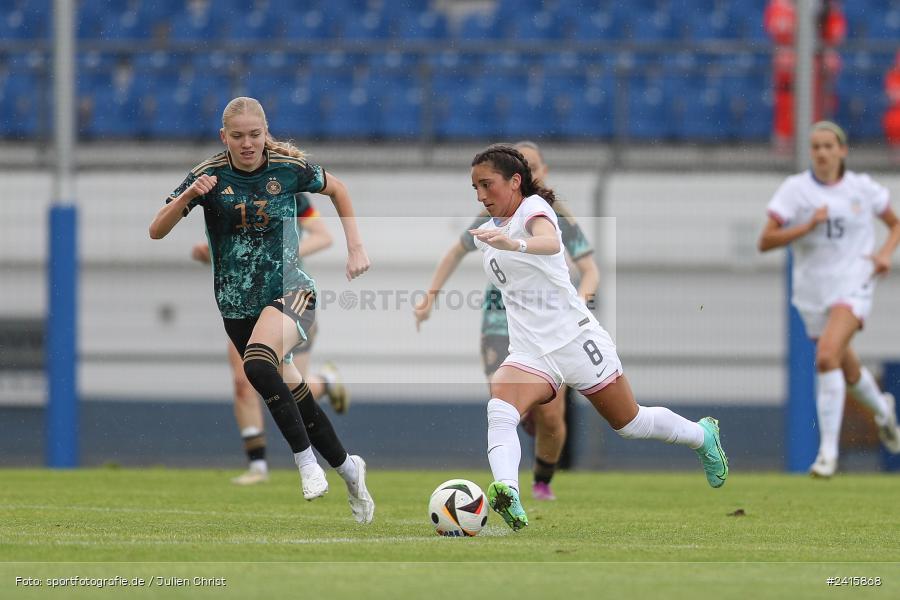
(856, 206)
(273, 186)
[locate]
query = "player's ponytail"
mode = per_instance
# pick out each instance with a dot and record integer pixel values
(509, 161)
(244, 104)
(283, 147)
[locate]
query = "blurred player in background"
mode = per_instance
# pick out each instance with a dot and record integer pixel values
(827, 215)
(549, 420)
(247, 410)
(554, 338)
(267, 302)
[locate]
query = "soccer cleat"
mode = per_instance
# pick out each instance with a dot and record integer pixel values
(251, 477)
(889, 433)
(712, 457)
(334, 387)
(361, 504)
(505, 502)
(542, 491)
(823, 468)
(313, 482)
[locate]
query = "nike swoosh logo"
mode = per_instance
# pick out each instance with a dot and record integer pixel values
(494, 448)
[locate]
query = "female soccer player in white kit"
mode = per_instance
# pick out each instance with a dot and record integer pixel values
(554, 338)
(827, 214)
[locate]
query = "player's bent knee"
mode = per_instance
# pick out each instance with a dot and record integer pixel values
(501, 413)
(827, 360)
(260, 364)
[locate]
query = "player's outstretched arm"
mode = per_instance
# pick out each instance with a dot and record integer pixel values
(169, 215)
(442, 273)
(882, 258)
(317, 236)
(357, 259)
(775, 236)
(543, 240)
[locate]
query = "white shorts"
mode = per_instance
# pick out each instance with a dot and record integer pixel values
(859, 302)
(588, 363)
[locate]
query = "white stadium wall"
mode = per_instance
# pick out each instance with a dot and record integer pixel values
(697, 313)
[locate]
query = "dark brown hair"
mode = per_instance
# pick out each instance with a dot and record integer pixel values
(508, 161)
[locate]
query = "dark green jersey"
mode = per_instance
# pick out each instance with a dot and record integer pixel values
(251, 225)
(305, 210)
(493, 313)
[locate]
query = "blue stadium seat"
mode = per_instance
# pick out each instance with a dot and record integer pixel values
(368, 26)
(93, 72)
(748, 19)
(563, 82)
(706, 116)
(653, 26)
(537, 26)
(562, 62)
(529, 115)
(861, 103)
(393, 60)
(312, 24)
(479, 27)
(595, 26)
(753, 119)
(115, 114)
(464, 111)
(883, 25)
(350, 115)
(504, 60)
(89, 20)
(400, 114)
(428, 25)
(714, 24)
(326, 81)
(25, 20)
(299, 112)
(128, 24)
(172, 113)
(586, 113)
(157, 70)
(199, 26)
(258, 24)
(20, 96)
(648, 109)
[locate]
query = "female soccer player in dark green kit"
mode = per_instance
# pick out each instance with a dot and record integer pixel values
(266, 300)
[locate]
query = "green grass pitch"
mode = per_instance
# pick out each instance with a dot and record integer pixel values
(610, 535)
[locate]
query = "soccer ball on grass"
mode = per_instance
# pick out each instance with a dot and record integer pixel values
(458, 508)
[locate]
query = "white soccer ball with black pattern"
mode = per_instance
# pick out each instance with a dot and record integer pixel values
(458, 508)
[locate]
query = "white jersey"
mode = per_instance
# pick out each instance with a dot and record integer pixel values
(832, 260)
(542, 306)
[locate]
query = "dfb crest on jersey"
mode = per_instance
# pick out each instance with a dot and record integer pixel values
(273, 186)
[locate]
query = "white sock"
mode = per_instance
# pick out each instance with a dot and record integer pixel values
(660, 423)
(250, 431)
(347, 470)
(504, 451)
(866, 392)
(830, 409)
(305, 459)
(259, 466)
